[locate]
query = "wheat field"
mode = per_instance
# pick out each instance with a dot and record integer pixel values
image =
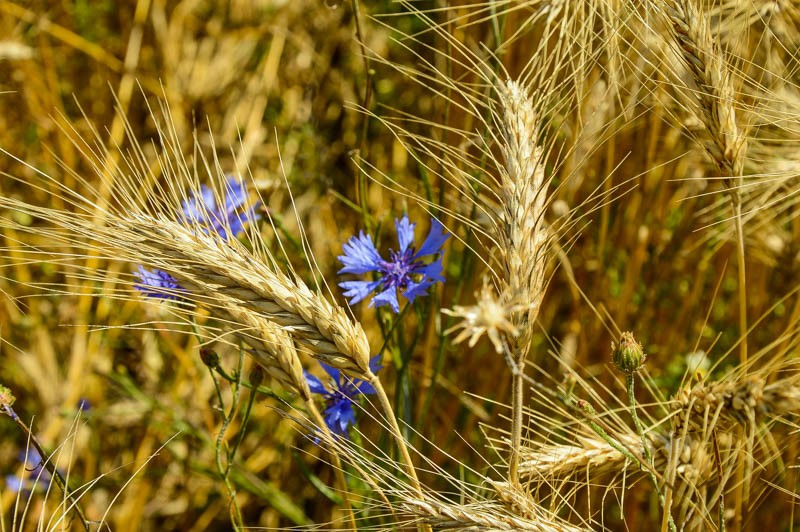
(399, 265)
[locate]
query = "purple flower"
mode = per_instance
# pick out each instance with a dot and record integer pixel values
(403, 271)
(340, 395)
(223, 219)
(35, 473)
(157, 284)
(202, 210)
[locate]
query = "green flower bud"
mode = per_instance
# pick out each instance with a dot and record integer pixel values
(628, 355)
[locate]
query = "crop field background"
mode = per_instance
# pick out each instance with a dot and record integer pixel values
(399, 265)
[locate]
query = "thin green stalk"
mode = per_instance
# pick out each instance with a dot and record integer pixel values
(630, 378)
(224, 471)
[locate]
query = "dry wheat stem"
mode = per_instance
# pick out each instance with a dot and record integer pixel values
(726, 142)
(727, 146)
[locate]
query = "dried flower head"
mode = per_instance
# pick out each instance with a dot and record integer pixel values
(487, 316)
(209, 357)
(6, 397)
(403, 271)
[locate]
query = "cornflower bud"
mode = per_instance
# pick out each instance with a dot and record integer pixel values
(628, 355)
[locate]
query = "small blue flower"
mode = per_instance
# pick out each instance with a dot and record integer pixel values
(157, 284)
(222, 219)
(403, 271)
(35, 473)
(202, 210)
(340, 395)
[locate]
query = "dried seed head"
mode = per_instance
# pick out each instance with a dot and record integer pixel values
(487, 316)
(628, 355)
(6, 397)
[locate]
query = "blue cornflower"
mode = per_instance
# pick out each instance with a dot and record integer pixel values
(340, 395)
(403, 271)
(35, 473)
(201, 210)
(222, 219)
(157, 284)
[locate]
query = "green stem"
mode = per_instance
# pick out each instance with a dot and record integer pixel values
(630, 378)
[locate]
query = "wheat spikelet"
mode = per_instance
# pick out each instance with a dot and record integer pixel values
(479, 517)
(272, 347)
(596, 457)
(522, 236)
(747, 400)
(727, 143)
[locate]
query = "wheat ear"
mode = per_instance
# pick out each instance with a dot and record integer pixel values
(522, 236)
(726, 141)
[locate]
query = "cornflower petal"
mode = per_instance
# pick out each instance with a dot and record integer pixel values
(387, 297)
(314, 384)
(416, 290)
(433, 243)
(358, 290)
(402, 272)
(360, 255)
(405, 232)
(365, 388)
(432, 271)
(332, 372)
(236, 194)
(196, 207)
(375, 363)
(157, 284)
(340, 415)
(202, 209)
(14, 484)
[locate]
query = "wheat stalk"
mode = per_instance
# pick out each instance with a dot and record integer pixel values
(522, 237)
